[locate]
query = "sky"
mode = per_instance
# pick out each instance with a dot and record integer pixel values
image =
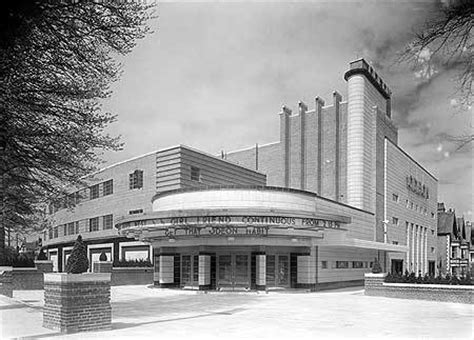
(215, 75)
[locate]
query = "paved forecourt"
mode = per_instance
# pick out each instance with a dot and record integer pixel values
(140, 312)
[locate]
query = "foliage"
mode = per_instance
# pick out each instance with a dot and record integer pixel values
(42, 255)
(376, 268)
(446, 41)
(133, 263)
(419, 279)
(57, 61)
(77, 262)
(9, 256)
(103, 256)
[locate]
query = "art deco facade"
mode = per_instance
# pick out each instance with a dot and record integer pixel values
(314, 209)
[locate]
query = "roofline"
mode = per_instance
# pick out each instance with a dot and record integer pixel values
(412, 159)
(253, 187)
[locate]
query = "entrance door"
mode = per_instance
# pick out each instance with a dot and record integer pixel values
(278, 270)
(233, 270)
(189, 270)
(397, 267)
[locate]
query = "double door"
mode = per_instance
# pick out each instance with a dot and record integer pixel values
(278, 270)
(233, 270)
(190, 270)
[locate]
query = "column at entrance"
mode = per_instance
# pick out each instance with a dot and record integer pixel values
(306, 270)
(204, 272)
(166, 270)
(261, 271)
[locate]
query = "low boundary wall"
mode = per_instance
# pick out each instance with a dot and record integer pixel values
(132, 276)
(375, 286)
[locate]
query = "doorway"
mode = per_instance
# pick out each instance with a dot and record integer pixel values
(397, 267)
(278, 270)
(233, 270)
(189, 270)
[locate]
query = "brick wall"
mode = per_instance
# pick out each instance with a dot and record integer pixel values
(374, 286)
(77, 302)
(27, 279)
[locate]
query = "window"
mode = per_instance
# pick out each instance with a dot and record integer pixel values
(94, 224)
(94, 191)
(195, 174)
(432, 250)
(71, 230)
(395, 198)
(136, 179)
(324, 264)
(50, 233)
(77, 226)
(342, 264)
(395, 221)
(395, 242)
(407, 203)
(56, 232)
(371, 264)
(357, 264)
(432, 215)
(107, 221)
(108, 187)
(432, 232)
(136, 211)
(411, 205)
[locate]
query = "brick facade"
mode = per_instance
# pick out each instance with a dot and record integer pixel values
(6, 285)
(77, 302)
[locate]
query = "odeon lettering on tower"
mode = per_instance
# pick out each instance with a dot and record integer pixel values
(249, 237)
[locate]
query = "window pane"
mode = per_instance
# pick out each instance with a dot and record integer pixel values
(108, 187)
(94, 191)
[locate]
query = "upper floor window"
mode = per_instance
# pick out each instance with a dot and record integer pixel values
(134, 212)
(50, 233)
(395, 198)
(56, 232)
(108, 187)
(136, 179)
(195, 174)
(394, 221)
(94, 224)
(94, 191)
(357, 264)
(395, 242)
(107, 221)
(324, 264)
(71, 230)
(342, 264)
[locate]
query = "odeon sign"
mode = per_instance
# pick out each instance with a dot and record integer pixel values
(215, 226)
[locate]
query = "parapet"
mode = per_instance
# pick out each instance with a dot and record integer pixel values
(360, 66)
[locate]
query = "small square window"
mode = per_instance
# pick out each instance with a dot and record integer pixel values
(107, 221)
(108, 187)
(94, 224)
(395, 242)
(342, 264)
(195, 174)
(94, 191)
(357, 264)
(395, 221)
(136, 179)
(324, 264)
(395, 198)
(432, 250)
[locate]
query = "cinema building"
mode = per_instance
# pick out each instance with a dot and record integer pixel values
(313, 210)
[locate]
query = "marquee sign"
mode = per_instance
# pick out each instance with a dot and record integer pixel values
(216, 226)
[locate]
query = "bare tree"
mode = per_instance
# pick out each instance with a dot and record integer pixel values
(446, 41)
(57, 60)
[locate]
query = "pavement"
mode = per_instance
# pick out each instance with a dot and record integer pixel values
(141, 312)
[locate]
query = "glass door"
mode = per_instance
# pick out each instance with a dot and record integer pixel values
(225, 272)
(241, 271)
(189, 270)
(283, 274)
(270, 270)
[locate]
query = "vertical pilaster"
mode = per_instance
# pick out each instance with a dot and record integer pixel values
(303, 108)
(204, 272)
(337, 176)
(261, 272)
(408, 246)
(319, 117)
(166, 273)
(285, 142)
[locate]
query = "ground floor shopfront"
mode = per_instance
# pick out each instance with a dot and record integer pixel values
(258, 238)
